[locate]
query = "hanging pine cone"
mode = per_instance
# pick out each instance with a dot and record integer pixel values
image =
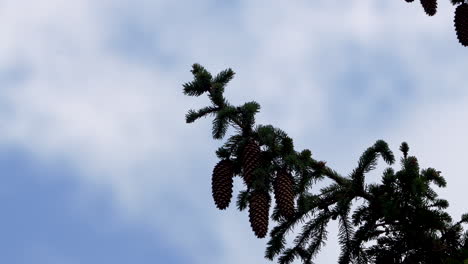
(250, 161)
(283, 188)
(429, 6)
(221, 183)
(321, 165)
(461, 23)
(259, 207)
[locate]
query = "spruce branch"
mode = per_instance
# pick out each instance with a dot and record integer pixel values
(440, 203)
(404, 148)
(456, 2)
(434, 176)
(193, 115)
(403, 203)
(224, 77)
(345, 237)
(368, 161)
(221, 121)
(243, 200)
(317, 243)
(201, 82)
(279, 232)
(216, 95)
(464, 219)
(288, 256)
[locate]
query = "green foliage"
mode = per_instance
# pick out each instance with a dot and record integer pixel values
(201, 82)
(401, 214)
(247, 114)
(224, 77)
(456, 2)
(464, 218)
(404, 148)
(221, 121)
(193, 115)
(434, 176)
(224, 113)
(346, 232)
(243, 200)
(368, 161)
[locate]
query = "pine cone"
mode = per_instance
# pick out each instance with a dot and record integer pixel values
(321, 164)
(430, 6)
(221, 183)
(259, 208)
(461, 23)
(251, 161)
(283, 188)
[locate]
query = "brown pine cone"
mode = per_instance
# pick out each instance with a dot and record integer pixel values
(250, 161)
(283, 188)
(429, 6)
(221, 183)
(321, 164)
(259, 208)
(461, 23)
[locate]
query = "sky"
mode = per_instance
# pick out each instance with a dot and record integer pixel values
(96, 160)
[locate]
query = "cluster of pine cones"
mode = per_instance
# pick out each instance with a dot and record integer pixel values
(460, 20)
(259, 200)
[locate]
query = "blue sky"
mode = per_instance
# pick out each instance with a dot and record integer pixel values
(99, 166)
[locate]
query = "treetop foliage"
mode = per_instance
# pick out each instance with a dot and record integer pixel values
(401, 215)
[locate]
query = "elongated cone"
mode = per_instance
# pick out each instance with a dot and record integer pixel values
(221, 183)
(250, 161)
(259, 212)
(430, 6)
(461, 23)
(283, 188)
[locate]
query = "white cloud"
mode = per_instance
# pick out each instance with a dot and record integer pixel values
(121, 122)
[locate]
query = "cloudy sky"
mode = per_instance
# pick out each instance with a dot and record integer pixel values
(98, 165)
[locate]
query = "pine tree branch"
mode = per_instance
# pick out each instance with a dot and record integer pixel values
(403, 202)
